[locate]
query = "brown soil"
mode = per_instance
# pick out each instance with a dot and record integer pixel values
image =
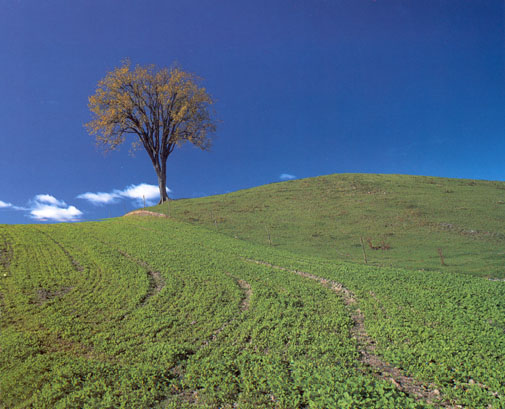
(145, 213)
(44, 295)
(378, 367)
(6, 254)
(57, 344)
(52, 342)
(246, 302)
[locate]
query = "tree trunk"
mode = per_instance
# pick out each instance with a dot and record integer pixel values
(162, 183)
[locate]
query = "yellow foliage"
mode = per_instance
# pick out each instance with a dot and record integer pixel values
(162, 108)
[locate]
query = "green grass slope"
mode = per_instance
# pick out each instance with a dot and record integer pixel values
(156, 313)
(412, 216)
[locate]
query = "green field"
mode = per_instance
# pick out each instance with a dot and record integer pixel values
(326, 216)
(154, 312)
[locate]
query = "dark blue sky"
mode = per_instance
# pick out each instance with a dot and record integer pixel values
(303, 88)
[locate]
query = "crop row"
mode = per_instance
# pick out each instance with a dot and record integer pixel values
(442, 329)
(82, 327)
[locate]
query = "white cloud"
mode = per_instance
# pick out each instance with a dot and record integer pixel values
(45, 207)
(99, 198)
(286, 176)
(45, 212)
(48, 208)
(138, 193)
(150, 192)
(49, 199)
(4, 204)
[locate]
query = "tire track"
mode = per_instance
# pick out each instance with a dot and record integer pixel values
(156, 282)
(246, 288)
(244, 306)
(366, 345)
(191, 396)
(74, 262)
(44, 295)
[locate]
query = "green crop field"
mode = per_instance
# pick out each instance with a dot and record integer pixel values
(156, 312)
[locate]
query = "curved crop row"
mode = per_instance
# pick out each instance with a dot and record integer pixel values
(85, 323)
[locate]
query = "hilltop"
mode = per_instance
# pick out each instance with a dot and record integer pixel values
(406, 218)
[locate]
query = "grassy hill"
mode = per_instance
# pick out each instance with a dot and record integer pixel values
(411, 217)
(154, 312)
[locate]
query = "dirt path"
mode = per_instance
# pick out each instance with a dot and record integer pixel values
(379, 368)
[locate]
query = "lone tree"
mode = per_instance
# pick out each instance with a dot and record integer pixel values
(163, 108)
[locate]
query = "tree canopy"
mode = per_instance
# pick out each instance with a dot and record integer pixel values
(161, 108)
